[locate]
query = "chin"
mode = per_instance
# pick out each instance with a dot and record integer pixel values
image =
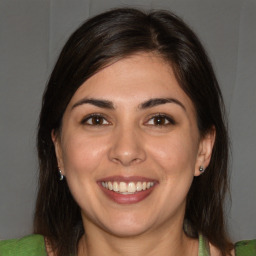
(127, 225)
(127, 230)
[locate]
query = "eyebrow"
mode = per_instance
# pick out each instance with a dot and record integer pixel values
(145, 105)
(160, 101)
(96, 102)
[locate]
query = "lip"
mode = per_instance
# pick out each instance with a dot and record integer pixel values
(126, 179)
(127, 198)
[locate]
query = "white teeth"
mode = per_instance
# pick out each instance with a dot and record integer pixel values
(110, 186)
(139, 186)
(130, 188)
(115, 187)
(122, 187)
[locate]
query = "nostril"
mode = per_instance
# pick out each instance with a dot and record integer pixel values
(126, 161)
(126, 147)
(127, 157)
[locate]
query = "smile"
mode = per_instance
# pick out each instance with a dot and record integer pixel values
(127, 190)
(127, 187)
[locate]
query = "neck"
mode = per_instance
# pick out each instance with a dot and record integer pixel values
(163, 241)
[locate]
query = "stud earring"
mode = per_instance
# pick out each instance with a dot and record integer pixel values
(201, 169)
(61, 175)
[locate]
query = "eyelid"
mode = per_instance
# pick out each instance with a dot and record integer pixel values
(89, 116)
(167, 117)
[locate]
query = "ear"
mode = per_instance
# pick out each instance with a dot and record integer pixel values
(58, 150)
(205, 150)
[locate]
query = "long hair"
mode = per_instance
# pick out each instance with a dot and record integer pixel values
(100, 41)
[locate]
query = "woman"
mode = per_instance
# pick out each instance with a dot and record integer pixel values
(132, 144)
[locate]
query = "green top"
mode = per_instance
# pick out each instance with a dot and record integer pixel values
(33, 245)
(246, 248)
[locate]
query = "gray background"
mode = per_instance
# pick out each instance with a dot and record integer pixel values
(32, 33)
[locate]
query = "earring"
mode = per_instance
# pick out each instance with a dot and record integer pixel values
(201, 169)
(61, 175)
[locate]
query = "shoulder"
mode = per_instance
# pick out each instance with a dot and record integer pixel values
(245, 248)
(242, 248)
(32, 245)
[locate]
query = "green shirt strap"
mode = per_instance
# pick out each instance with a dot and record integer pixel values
(32, 245)
(203, 247)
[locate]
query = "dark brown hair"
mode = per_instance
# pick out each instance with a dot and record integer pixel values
(99, 42)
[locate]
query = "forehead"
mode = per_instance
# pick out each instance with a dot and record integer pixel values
(132, 80)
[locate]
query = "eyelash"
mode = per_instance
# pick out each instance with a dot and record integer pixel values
(170, 121)
(91, 116)
(104, 121)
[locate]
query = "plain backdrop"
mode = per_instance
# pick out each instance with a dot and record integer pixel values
(32, 32)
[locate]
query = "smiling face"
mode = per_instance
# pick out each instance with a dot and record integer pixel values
(130, 147)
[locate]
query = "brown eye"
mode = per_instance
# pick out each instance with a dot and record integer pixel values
(160, 120)
(95, 120)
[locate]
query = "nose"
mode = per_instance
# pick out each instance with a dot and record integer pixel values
(127, 147)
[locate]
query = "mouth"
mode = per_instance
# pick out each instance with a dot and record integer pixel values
(127, 190)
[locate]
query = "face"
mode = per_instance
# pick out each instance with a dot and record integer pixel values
(130, 147)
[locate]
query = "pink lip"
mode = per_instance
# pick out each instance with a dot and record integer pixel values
(129, 198)
(126, 179)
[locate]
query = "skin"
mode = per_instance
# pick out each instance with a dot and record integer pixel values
(130, 142)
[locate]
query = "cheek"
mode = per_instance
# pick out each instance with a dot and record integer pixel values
(82, 154)
(176, 154)
(82, 158)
